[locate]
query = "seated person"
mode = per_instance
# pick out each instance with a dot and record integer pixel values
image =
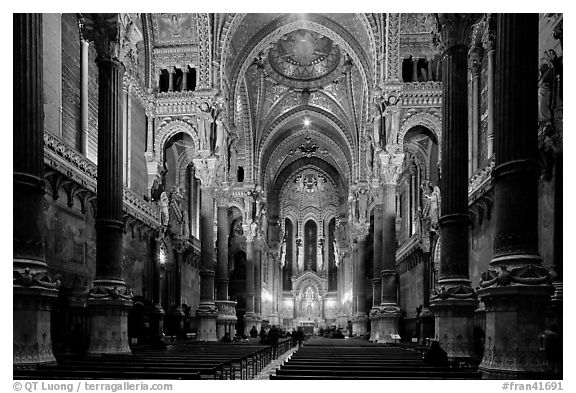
(436, 356)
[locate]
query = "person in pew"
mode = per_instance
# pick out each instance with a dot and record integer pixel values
(254, 332)
(226, 338)
(273, 336)
(436, 356)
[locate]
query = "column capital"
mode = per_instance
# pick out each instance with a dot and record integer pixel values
(205, 170)
(455, 29)
(360, 230)
(391, 164)
(222, 195)
(114, 35)
(489, 36)
(250, 231)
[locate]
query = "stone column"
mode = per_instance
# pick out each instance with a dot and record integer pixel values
(377, 262)
(185, 78)
(391, 168)
(84, 95)
(415, 69)
(342, 306)
(250, 318)
(109, 299)
(360, 320)
(171, 72)
(33, 295)
(429, 61)
(475, 65)
(516, 287)
(175, 316)
(226, 309)
(258, 276)
(157, 312)
(454, 306)
(205, 171)
(490, 50)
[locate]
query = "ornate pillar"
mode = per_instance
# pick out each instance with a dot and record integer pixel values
(475, 66)
(516, 288)
(341, 262)
(391, 167)
(489, 42)
(185, 78)
(250, 318)
(258, 276)
(109, 299)
(84, 95)
(360, 319)
(454, 306)
(171, 72)
(157, 312)
(175, 316)
(429, 61)
(377, 262)
(414, 69)
(205, 169)
(32, 289)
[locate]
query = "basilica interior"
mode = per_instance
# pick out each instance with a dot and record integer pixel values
(188, 177)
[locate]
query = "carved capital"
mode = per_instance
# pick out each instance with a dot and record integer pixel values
(360, 230)
(222, 195)
(455, 29)
(391, 166)
(114, 35)
(489, 36)
(250, 231)
(205, 170)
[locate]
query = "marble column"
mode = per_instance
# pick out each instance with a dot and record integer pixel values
(205, 171)
(185, 78)
(376, 263)
(33, 290)
(84, 45)
(175, 315)
(475, 66)
(415, 69)
(226, 320)
(342, 300)
(157, 312)
(429, 61)
(171, 72)
(516, 287)
(391, 167)
(360, 319)
(258, 276)
(454, 306)
(250, 318)
(489, 42)
(109, 299)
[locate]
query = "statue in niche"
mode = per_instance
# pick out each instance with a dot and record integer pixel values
(185, 224)
(320, 255)
(283, 253)
(237, 228)
(545, 82)
(233, 156)
(431, 210)
(221, 137)
(204, 120)
(369, 156)
(341, 234)
(377, 123)
(376, 165)
(300, 255)
(164, 212)
(336, 253)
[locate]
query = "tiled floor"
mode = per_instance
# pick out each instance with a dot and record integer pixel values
(275, 364)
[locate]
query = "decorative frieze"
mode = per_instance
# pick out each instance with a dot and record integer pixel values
(422, 94)
(80, 170)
